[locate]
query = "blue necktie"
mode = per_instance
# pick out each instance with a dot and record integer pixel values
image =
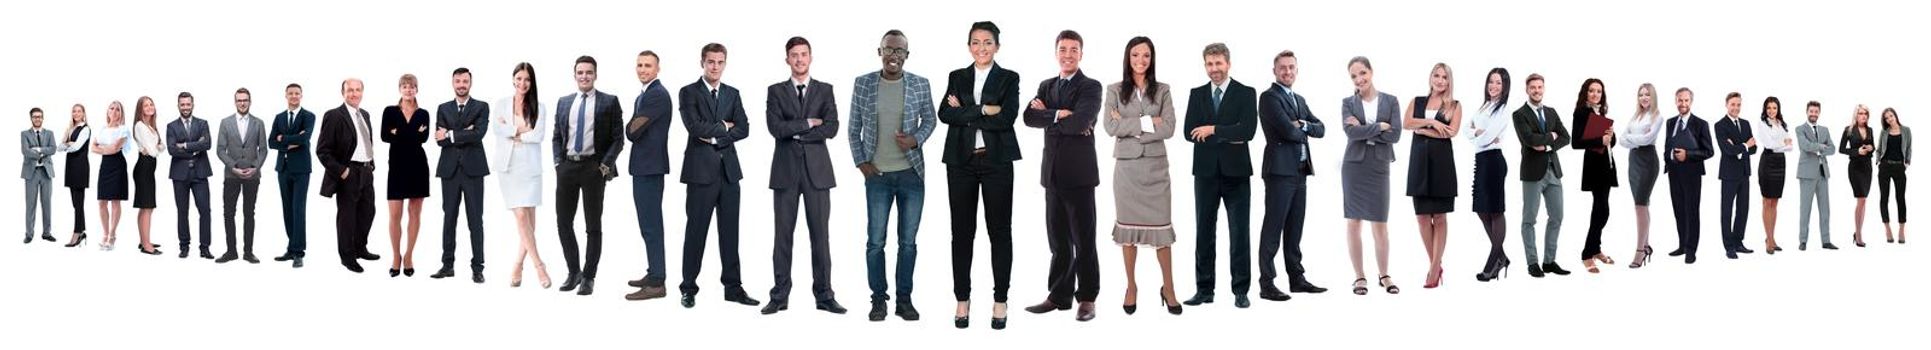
(581, 108)
(1216, 100)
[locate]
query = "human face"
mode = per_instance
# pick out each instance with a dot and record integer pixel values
(115, 116)
(1813, 112)
(1438, 81)
(1595, 94)
(37, 118)
(586, 74)
(646, 68)
(242, 102)
(892, 52)
(147, 108)
(1733, 105)
(521, 81)
(1535, 88)
(983, 47)
(798, 58)
(1286, 69)
(1646, 98)
(185, 105)
(1362, 76)
(1773, 109)
(352, 93)
(461, 83)
(1140, 58)
(1217, 68)
(1862, 116)
(78, 115)
(408, 91)
(1068, 52)
(1494, 87)
(1890, 118)
(294, 96)
(1683, 100)
(713, 67)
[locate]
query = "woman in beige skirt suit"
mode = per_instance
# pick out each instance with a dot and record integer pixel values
(1140, 119)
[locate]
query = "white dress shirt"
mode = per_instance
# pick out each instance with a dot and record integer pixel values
(1493, 122)
(364, 147)
(586, 106)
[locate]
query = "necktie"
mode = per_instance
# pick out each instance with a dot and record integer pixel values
(1540, 120)
(362, 128)
(1216, 100)
(582, 107)
(1296, 116)
(459, 108)
(801, 95)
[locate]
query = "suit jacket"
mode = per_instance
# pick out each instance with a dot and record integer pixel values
(242, 150)
(1286, 142)
(335, 145)
(607, 138)
(967, 120)
(710, 154)
(188, 144)
(861, 129)
(650, 144)
(39, 161)
(290, 136)
(1730, 137)
(1367, 142)
(1813, 141)
(1694, 139)
(1224, 153)
(1883, 144)
(1070, 158)
(463, 149)
(1130, 140)
(1532, 133)
(800, 149)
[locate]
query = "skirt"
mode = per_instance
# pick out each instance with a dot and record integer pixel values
(144, 182)
(113, 178)
(521, 190)
(1644, 168)
(1143, 202)
(1770, 174)
(1365, 190)
(1860, 177)
(1491, 173)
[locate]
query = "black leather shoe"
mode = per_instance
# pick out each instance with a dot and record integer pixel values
(298, 262)
(570, 283)
(831, 306)
(284, 257)
(1305, 287)
(1197, 299)
(30, 239)
(1240, 301)
(50, 238)
(906, 311)
(369, 256)
(688, 300)
(206, 256)
(1730, 254)
(1742, 250)
(1803, 246)
(742, 300)
(1535, 270)
(1271, 294)
(1830, 246)
(1046, 306)
(1677, 252)
(184, 253)
(225, 258)
(352, 266)
(1086, 312)
(394, 272)
(476, 276)
(445, 272)
(775, 306)
(1555, 269)
(878, 311)
(250, 258)
(587, 286)
(1689, 259)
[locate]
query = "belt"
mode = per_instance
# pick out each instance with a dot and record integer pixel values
(582, 158)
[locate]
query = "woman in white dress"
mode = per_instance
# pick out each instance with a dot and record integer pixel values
(518, 163)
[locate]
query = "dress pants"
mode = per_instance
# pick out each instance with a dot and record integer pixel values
(354, 213)
(1735, 210)
(648, 193)
(1686, 195)
(1284, 216)
(40, 196)
(294, 191)
(817, 204)
(965, 183)
(580, 180)
(1070, 234)
(183, 190)
(1209, 193)
(1813, 192)
(1549, 192)
(906, 190)
(246, 191)
(79, 199)
(467, 192)
(720, 198)
(1598, 218)
(1890, 173)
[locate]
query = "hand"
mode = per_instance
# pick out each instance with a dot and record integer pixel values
(294, 147)
(1158, 121)
(442, 134)
(1037, 104)
(868, 169)
(424, 128)
(1864, 151)
(1786, 142)
(1201, 133)
(906, 142)
(278, 138)
(1385, 126)
(1351, 121)
(1062, 115)
(952, 101)
(990, 110)
(1540, 148)
(345, 174)
(1680, 155)
(393, 131)
(728, 124)
(1478, 131)
(181, 145)
(637, 123)
(1609, 138)
(1113, 114)
(814, 122)
(1752, 142)
(1300, 123)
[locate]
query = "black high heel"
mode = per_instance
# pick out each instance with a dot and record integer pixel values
(1172, 305)
(394, 272)
(1642, 257)
(962, 321)
(411, 272)
(78, 241)
(1388, 284)
(998, 323)
(1360, 286)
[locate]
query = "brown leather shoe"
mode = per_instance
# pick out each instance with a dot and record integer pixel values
(1086, 312)
(647, 293)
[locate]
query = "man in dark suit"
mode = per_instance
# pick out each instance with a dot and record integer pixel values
(188, 144)
(1066, 107)
(460, 127)
(714, 115)
(1736, 141)
(1542, 134)
(981, 104)
(1221, 118)
(801, 113)
(347, 152)
(649, 134)
(1285, 165)
(588, 137)
(1687, 141)
(290, 138)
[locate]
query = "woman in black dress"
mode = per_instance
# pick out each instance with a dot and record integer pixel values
(77, 138)
(113, 180)
(405, 127)
(1435, 119)
(1598, 166)
(1858, 144)
(1774, 136)
(147, 139)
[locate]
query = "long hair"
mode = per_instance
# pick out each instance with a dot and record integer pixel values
(529, 99)
(1496, 104)
(1448, 93)
(143, 118)
(1126, 68)
(1893, 113)
(1765, 115)
(1854, 124)
(1582, 96)
(116, 114)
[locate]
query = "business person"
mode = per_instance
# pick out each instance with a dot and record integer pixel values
(77, 139)
(1736, 141)
(111, 145)
(146, 138)
(649, 133)
(346, 150)
(518, 165)
(461, 125)
(1893, 156)
(588, 137)
(713, 114)
(1435, 119)
(1639, 135)
(37, 149)
(1489, 199)
(1286, 162)
(1598, 165)
(1859, 143)
(801, 113)
(1372, 122)
(1221, 170)
(1687, 139)
(242, 147)
(891, 117)
(1066, 107)
(405, 127)
(188, 144)
(1813, 176)
(1139, 116)
(981, 104)
(1540, 132)
(1770, 170)
(289, 137)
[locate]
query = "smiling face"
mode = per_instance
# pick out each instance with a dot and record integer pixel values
(37, 118)
(1140, 58)
(1362, 76)
(115, 116)
(892, 52)
(646, 68)
(1773, 109)
(77, 115)
(586, 74)
(186, 105)
(1068, 53)
(1535, 88)
(521, 82)
(1733, 105)
(294, 96)
(460, 82)
(982, 47)
(1286, 69)
(146, 109)
(798, 58)
(1594, 94)
(1217, 68)
(713, 67)
(1494, 88)
(242, 102)
(1645, 98)
(1683, 100)
(1438, 81)
(352, 93)
(1812, 112)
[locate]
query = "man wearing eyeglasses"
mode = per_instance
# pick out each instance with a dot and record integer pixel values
(892, 115)
(242, 148)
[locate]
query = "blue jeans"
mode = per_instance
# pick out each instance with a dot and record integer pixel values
(908, 190)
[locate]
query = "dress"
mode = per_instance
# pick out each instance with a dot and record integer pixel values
(1142, 184)
(1860, 165)
(1639, 135)
(113, 178)
(1431, 167)
(516, 164)
(148, 142)
(408, 165)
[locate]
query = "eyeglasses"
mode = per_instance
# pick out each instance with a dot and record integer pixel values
(893, 51)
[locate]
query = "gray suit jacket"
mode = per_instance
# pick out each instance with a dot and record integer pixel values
(239, 150)
(37, 154)
(1814, 144)
(1367, 141)
(1883, 142)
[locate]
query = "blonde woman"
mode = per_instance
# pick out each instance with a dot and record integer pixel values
(147, 139)
(1639, 135)
(113, 179)
(405, 126)
(1435, 119)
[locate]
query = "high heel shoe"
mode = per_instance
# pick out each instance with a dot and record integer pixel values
(1435, 279)
(1642, 258)
(1170, 300)
(1132, 292)
(963, 319)
(998, 322)
(542, 276)
(1605, 259)
(81, 238)
(1360, 286)
(411, 272)
(1590, 265)
(516, 276)
(1388, 284)
(394, 272)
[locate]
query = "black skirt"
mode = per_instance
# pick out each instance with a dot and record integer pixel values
(113, 180)
(1770, 174)
(1491, 173)
(1860, 177)
(77, 170)
(1431, 175)
(144, 182)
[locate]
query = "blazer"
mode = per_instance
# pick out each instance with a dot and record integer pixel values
(37, 151)
(1286, 142)
(1693, 138)
(1224, 153)
(1730, 137)
(519, 155)
(607, 139)
(336, 144)
(242, 151)
(1883, 146)
(290, 136)
(188, 146)
(1532, 133)
(919, 120)
(1367, 142)
(710, 152)
(463, 149)
(967, 122)
(800, 149)
(649, 144)
(1813, 141)
(1130, 141)
(1070, 158)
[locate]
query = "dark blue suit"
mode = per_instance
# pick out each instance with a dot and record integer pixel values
(188, 144)
(1286, 163)
(1734, 171)
(289, 136)
(1221, 170)
(462, 166)
(583, 177)
(649, 162)
(711, 171)
(1686, 177)
(1069, 173)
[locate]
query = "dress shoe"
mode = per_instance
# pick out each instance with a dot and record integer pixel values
(250, 258)
(1677, 252)
(775, 306)
(587, 285)
(1742, 250)
(1730, 254)
(445, 272)
(1271, 294)
(1555, 269)
(409, 271)
(30, 239)
(155, 251)
(184, 253)
(225, 258)
(369, 256)
(688, 300)
(906, 311)
(1086, 312)
(206, 256)
(1047, 306)
(50, 238)
(395, 272)
(741, 299)
(878, 311)
(1689, 259)
(1202, 298)
(284, 257)
(83, 239)
(1830, 246)
(298, 262)
(353, 267)
(1803, 246)
(1305, 287)
(1240, 301)
(646, 293)
(570, 283)
(831, 306)
(476, 276)
(642, 282)
(1535, 270)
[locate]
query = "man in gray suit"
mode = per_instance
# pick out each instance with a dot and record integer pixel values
(243, 147)
(1813, 175)
(460, 126)
(802, 114)
(37, 150)
(188, 145)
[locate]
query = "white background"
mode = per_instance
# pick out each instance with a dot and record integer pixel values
(90, 52)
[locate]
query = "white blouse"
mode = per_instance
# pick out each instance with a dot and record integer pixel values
(1493, 123)
(112, 134)
(1640, 131)
(147, 140)
(1772, 137)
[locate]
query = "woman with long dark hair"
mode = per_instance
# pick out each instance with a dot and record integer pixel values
(113, 179)
(1485, 134)
(1893, 156)
(1774, 135)
(1142, 186)
(517, 162)
(147, 139)
(1598, 166)
(1639, 135)
(1435, 119)
(1858, 143)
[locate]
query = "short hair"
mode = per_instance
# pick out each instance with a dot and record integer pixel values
(1216, 49)
(408, 80)
(652, 54)
(1533, 77)
(587, 59)
(1814, 104)
(1069, 34)
(36, 110)
(1686, 89)
(795, 42)
(985, 26)
(184, 94)
(1283, 54)
(712, 47)
(1363, 61)
(293, 86)
(460, 71)
(1732, 96)
(244, 91)
(892, 33)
